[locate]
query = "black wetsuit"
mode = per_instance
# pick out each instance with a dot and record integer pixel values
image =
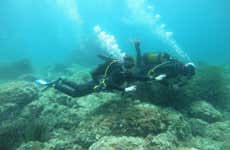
(108, 76)
(170, 67)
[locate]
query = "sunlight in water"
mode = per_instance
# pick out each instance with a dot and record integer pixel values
(109, 43)
(145, 14)
(70, 9)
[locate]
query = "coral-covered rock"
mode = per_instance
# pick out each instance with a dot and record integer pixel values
(119, 143)
(219, 131)
(185, 148)
(178, 125)
(205, 144)
(14, 96)
(57, 116)
(15, 132)
(140, 120)
(163, 141)
(62, 140)
(92, 102)
(198, 126)
(18, 92)
(132, 120)
(31, 146)
(90, 131)
(204, 111)
(209, 84)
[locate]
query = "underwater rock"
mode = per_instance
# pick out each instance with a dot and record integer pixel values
(59, 139)
(178, 125)
(131, 119)
(198, 126)
(219, 131)
(14, 96)
(18, 92)
(63, 112)
(208, 84)
(59, 116)
(205, 144)
(56, 114)
(115, 119)
(19, 130)
(62, 140)
(92, 102)
(31, 146)
(226, 144)
(58, 144)
(140, 120)
(204, 111)
(163, 141)
(90, 131)
(119, 143)
(9, 111)
(185, 148)
(52, 144)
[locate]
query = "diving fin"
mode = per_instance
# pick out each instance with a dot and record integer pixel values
(46, 83)
(41, 82)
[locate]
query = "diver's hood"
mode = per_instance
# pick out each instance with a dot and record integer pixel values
(190, 64)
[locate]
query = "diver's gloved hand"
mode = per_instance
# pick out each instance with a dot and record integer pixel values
(131, 88)
(160, 77)
(137, 44)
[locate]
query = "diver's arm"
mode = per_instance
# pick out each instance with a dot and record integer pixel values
(111, 85)
(169, 69)
(138, 52)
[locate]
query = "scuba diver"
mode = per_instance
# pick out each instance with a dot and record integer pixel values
(161, 66)
(113, 74)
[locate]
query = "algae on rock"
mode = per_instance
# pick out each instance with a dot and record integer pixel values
(119, 143)
(204, 111)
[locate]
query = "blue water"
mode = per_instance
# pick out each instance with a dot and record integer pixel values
(49, 32)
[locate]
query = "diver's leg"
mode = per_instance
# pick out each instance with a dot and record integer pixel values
(66, 90)
(87, 88)
(80, 90)
(70, 84)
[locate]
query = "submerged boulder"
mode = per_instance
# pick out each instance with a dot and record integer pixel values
(205, 144)
(163, 141)
(198, 126)
(32, 145)
(18, 92)
(137, 120)
(219, 131)
(204, 111)
(14, 96)
(119, 143)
